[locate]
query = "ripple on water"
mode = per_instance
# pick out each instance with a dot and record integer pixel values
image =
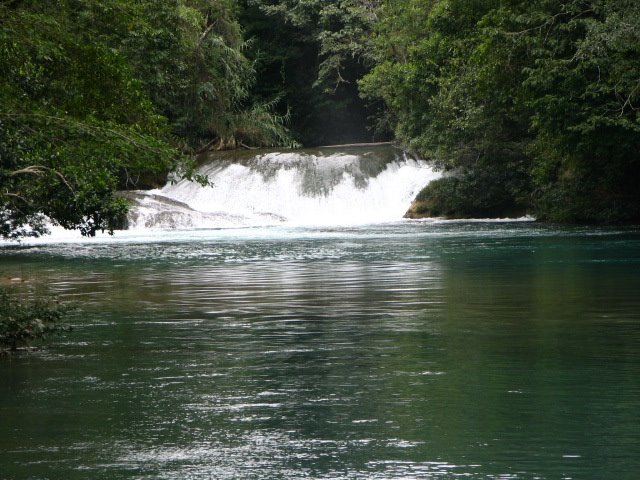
(413, 350)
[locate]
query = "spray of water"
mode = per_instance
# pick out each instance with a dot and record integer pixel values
(330, 187)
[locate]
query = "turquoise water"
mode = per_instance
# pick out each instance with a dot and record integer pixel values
(407, 350)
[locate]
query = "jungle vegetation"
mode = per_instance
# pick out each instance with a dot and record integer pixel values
(531, 106)
(528, 106)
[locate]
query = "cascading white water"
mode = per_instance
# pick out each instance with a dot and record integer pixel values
(328, 187)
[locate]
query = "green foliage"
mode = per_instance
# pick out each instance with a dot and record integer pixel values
(533, 104)
(448, 80)
(24, 320)
(197, 73)
(311, 54)
(479, 193)
(537, 97)
(96, 95)
(340, 28)
(584, 93)
(66, 139)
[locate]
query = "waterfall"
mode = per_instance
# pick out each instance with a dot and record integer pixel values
(328, 186)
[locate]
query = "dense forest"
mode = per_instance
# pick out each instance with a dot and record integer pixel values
(528, 106)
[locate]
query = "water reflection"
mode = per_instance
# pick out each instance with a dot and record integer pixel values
(387, 354)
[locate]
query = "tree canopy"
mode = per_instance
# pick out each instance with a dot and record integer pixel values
(97, 95)
(532, 105)
(311, 56)
(529, 106)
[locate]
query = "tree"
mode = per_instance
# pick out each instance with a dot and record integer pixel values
(529, 105)
(448, 80)
(74, 121)
(190, 55)
(584, 91)
(310, 56)
(100, 95)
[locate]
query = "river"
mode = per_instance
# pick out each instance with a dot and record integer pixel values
(400, 350)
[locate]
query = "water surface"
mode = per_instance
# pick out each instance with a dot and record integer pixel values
(405, 350)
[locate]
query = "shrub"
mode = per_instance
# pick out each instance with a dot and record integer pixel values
(476, 194)
(25, 319)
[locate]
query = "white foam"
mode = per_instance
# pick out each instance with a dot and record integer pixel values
(281, 191)
(289, 188)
